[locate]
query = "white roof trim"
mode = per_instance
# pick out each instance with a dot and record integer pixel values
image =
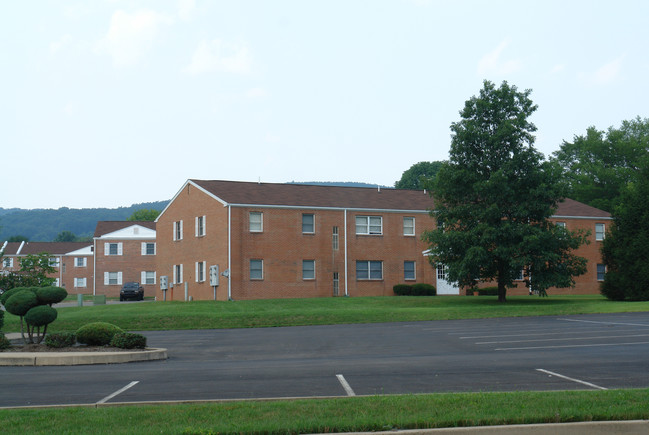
(86, 250)
(130, 232)
(190, 182)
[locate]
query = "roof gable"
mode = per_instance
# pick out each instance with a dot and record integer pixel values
(125, 229)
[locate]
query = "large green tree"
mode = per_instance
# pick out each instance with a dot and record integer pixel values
(418, 175)
(625, 249)
(599, 164)
(494, 196)
(144, 215)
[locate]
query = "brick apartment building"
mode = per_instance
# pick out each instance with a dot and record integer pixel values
(124, 252)
(287, 240)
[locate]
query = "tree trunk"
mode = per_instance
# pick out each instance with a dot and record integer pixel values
(502, 289)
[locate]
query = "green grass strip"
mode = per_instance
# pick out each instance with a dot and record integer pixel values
(375, 413)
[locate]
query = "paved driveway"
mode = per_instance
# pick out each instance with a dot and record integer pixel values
(533, 353)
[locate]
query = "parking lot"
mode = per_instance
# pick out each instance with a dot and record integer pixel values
(604, 351)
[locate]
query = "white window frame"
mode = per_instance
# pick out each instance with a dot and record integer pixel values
(370, 270)
(199, 226)
(119, 249)
(8, 262)
(254, 225)
(600, 231)
(145, 248)
(409, 230)
(312, 224)
(177, 274)
(597, 267)
(308, 270)
(335, 244)
(145, 275)
(199, 268)
(560, 224)
(113, 276)
(261, 263)
(414, 271)
(80, 283)
(178, 230)
(80, 262)
(367, 225)
(54, 261)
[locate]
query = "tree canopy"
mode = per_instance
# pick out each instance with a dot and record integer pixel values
(65, 236)
(599, 164)
(144, 214)
(494, 197)
(418, 175)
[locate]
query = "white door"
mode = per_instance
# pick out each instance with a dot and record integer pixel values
(444, 287)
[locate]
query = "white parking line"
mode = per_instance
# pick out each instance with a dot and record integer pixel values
(564, 339)
(571, 379)
(120, 391)
(571, 345)
(345, 385)
(605, 323)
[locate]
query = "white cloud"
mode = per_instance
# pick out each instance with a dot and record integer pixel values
(220, 56)
(186, 9)
(607, 73)
(130, 35)
(492, 62)
(56, 46)
(256, 93)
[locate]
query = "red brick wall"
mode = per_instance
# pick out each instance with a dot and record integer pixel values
(131, 263)
(69, 271)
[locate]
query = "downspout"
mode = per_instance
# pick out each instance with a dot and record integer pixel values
(94, 266)
(229, 252)
(346, 270)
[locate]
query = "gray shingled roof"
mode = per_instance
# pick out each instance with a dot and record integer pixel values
(54, 248)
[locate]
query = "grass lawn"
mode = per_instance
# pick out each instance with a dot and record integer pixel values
(321, 311)
(352, 414)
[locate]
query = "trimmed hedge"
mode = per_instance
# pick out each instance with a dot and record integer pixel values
(4, 342)
(488, 291)
(60, 339)
(128, 340)
(51, 295)
(41, 315)
(419, 289)
(21, 301)
(2, 318)
(97, 333)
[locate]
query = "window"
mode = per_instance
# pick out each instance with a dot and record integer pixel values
(369, 269)
(80, 262)
(200, 226)
(200, 271)
(369, 225)
(112, 278)
(148, 277)
(256, 269)
(334, 239)
(560, 224)
(408, 226)
(8, 262)
(599, 231)
(308, 269)
(148, 248)
(336, 284)
(79, 282)
(178, 230)
(409, 270)
(113, 249)
(520, 275)
(256, 222)
(601, 271)
(308, 223)
(178, 273)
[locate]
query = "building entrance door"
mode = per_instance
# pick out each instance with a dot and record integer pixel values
(444, 287)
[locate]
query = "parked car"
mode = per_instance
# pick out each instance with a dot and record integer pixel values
(131, 290)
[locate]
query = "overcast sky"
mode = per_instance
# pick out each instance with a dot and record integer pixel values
(110, 103)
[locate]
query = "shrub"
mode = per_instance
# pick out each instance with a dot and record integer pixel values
(20, 302)
(97, 333)
(51, 295)
(40, 315)
(7, 294)
(60, 339)
(402, 289)
(128, 340)
(423, 289)
(2, 318)
(4, 342)
(488, 291)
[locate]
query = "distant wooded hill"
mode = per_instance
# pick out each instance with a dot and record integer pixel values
(43, 225)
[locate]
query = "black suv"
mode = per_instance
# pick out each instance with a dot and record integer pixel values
(131, 290)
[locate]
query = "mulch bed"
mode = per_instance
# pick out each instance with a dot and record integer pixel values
(19, 346)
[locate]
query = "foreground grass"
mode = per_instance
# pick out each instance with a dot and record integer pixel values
(322, 311)
(376, 413)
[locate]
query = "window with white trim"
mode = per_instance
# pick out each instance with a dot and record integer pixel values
(408, 226)
(113, 249)
(148, 277)
(256, 219)
(308, 269)
(200, 271)
(8, 262)
(601, 272)
(54, 261)
(80, 262)
(79, 282)
(334, 238)
(308, 223)
(256, 269)
(372, 225)
(178, 274)
(600, 230)
(560, 224)
(369, 270)
(336, 284)
(178, 230)
(200, 226)
(409, 270)
(112, 278)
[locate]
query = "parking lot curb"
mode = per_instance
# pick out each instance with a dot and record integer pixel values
(79, 358)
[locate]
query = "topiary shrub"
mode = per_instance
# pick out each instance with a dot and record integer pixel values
(41, 315)
(423, 289)
(51, 295)
(60, 339)
(4, 342)
(97, 333)
(2, 318)
(20, 302)
(128, 340)
(402, 289)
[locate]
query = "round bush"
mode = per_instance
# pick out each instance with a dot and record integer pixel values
(51, 295)
(402, 289)
(60, 339)
(7, 294)
(20, 302)
(128, 340)
(97, 333)
(4, 342)
(40, 315)
(422, 289)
